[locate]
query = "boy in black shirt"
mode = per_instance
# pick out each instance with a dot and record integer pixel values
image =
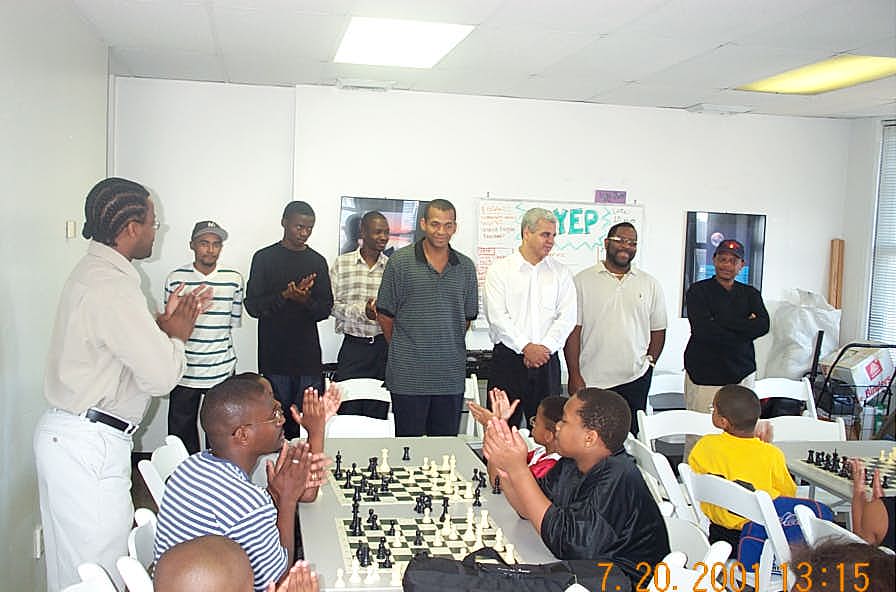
(594, 503)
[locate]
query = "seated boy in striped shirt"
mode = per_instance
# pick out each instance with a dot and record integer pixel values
(211, 492)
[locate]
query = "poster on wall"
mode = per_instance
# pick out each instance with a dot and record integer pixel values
(706, 230)
(581, 229)
(402, 215)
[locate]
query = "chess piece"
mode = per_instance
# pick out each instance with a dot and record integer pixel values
(384, 485)
(387, 562)
(437, 540)
(445, 465)
(355, 577)
(363, 555)
(384, 463)
(810, 458)
(444, 515)
(391, 531)
(348, 481)
(483, 480)
(407, 453)
(354, 469)
(469, 517)
(425, 466)
(446, 529)
(483, 519)
(477, 544)
(885, 481)
(499, 540)
(468, 491)
(373, 575)
(356, 497)
(339, 583)
(476, 501)
(469, 534)
(396, 539)
(338, 472)
(508, 553)
(391, 476)
(381, 549)
(453, 535)
(427, 518)
(418, 538)
(496, 489)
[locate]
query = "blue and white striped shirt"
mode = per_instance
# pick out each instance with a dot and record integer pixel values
(210, 495)
(210, 354)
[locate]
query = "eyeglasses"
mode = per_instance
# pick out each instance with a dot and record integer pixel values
(156, 224)
(278, 416)
(712, 408)
(628, 242)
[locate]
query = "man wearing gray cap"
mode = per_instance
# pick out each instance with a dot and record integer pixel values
(210, 354)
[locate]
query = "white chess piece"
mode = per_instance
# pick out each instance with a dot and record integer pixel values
(437, 540)
(395, 582)
(384, 465)
(469, 534)
(468, 491)
(499, 540)
(478, 542)
(453, 535)
(425, 465)
(446, 528)
(427, 516)
(508, 553)
(355, 577)
(483, 519)
(339, 583)
(396, 538)
(373, 575)
(445, 465)
(434, 469)
(470, 519)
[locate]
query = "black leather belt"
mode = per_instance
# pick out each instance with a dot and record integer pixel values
(95, 415)
(365, 339)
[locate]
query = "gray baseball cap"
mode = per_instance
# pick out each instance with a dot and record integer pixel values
(208, 227)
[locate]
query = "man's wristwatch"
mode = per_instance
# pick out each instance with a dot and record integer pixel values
(651, 361)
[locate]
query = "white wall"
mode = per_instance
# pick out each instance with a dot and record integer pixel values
(192, 143)
(52, 150)
(206, 151)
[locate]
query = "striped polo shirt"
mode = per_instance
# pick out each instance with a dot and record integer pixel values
(430, 310)
(210, 354)
(210, 495)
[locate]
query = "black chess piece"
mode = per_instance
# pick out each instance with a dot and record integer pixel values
(354, 469)
(363, 555)
(497, 487)
(391, 531)
(810, 458)
(355, 508)
(418, 538)
(384, 485)
(444, 515)
(363, 482)
(371, 516)
(391, 476)
(483, 480)
(371, 468)
(387, 562)
(476, 501)
(355, 528)
(348, 481)
(338, 472)
(381, 549)
(357, 495)
(407, 453)
(885, 481)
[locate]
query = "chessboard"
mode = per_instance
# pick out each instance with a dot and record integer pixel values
(401, 484)
(411, 536)
(838, 466)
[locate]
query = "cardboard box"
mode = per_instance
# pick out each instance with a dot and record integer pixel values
(868, 370)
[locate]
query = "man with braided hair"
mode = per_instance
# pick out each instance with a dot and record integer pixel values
(108, 355)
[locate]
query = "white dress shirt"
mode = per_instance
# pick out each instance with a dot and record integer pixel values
(106, 350)
(527, 303)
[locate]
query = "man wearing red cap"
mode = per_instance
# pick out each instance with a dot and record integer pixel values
(725, 317)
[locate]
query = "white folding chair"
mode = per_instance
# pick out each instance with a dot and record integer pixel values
(795, 428)
(142, 537)
(666, 390)
(752, 505)
(686, 537)
(93, 579)
(815, 529)
(673, 573)
(675, 422)
(135, 576)
(372, 389)
(359, 426)
(471, 393)
(655, 467)
(801, 390)
(161, 464)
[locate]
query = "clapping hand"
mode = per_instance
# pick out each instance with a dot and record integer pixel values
(300, 578)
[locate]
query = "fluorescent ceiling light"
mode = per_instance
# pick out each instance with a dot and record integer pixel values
(391, 42)
(837, 72)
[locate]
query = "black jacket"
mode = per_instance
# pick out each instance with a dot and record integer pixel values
(607, 514)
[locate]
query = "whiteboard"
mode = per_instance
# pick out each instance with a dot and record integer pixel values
(581, 229)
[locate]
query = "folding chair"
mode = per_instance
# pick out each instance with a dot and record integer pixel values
(142, 537)
(801, 390)
(675, 422)
(359, 426)
(135, 576)
(752, 505)
(162, 463)
(655, 467)
(93, 579)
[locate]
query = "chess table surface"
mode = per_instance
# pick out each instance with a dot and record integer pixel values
(324, 540)
(796, 453)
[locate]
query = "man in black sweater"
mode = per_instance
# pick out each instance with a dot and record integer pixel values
(289, 293)
(725, 317)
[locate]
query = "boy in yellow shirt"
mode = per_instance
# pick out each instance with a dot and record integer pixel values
(737, 455)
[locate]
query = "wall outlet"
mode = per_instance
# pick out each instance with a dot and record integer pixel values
(37, 542)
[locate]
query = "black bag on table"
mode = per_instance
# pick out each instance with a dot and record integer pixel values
(436, 574)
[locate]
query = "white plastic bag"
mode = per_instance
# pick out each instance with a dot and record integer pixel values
(794, 328)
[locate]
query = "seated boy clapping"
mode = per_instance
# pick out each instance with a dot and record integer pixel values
(594, 503)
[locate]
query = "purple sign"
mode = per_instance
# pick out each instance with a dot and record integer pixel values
(612, 197)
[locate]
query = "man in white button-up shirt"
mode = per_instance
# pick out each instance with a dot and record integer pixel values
(621, 325)
(530, 304)
(108, 356)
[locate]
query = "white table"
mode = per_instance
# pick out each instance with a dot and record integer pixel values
(796, 452)
(318, 519)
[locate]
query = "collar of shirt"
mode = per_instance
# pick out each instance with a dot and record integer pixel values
(380, 261)
(453, 259)
(603, 269)
(115, 258)
(523, 265)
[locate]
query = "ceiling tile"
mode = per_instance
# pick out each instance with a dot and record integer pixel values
(283, 35)
(654, 95)
(150, 24)
(461, 12)
(179, 65)
(572, 88)
(257, 69)
(588, 16)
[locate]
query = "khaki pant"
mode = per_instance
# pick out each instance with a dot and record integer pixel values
(698, 397)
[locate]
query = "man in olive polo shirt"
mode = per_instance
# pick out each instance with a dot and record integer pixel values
(426, 301)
